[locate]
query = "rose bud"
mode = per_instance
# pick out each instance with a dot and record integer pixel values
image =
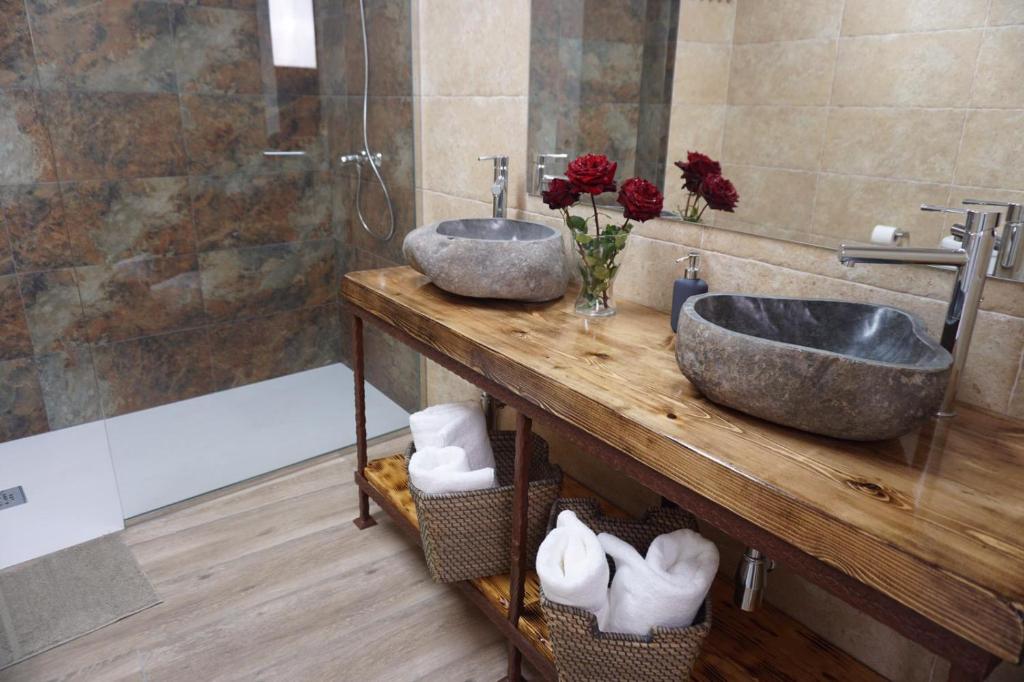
(559, 194)
(697, 167)
(640, 199)
(719, 193)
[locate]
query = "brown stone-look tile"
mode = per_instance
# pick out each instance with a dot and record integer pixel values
(217, 50)
(247, 210)
(611, 71)
(27, 152)
(621, 21)
(17, 67)
(155, 370)
(15, 341)
(34, 215)
(68, 382)
(107, 136)
(228, 4)
(331, 55)
(53, 309)
(110, 46)
(6, 255)
(272, 346)
(389, 25)
(393, 368)
(375, 212)
(112, 221)
(22, 412)
(139, 298)
(229, 133)
(255, 281)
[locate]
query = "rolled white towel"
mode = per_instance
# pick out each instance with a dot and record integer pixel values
(459, 424)
(664, 589)
(446, 470)
(572, 567)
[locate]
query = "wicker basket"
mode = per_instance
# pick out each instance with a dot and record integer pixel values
(468, 535)
(584, 654)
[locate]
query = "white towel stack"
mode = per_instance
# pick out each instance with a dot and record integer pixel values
(453, 452)
(572, 567)
(460, 424)
(446, 470)
(664, 589)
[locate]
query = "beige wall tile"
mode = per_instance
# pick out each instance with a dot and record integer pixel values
(771, 197)
(672, 231)
(782, 73)
(785, 137)
(1000, 66)
(1017, 397)
(438, 206)
(457, 130)
(922, 70)
(701, 73)
(885, 16)
(691, 128)
(706, 21)
(648, 271)
(848, 207)
(993, 362)
(911, 144)
(1005, 12)
(445, 387)
(762, 21)
(989, 154)
(493, 54)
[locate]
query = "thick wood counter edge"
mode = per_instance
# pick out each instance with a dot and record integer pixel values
(943, 597)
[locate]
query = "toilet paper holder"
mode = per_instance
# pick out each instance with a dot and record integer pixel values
(887, 234)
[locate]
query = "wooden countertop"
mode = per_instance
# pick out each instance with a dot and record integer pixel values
(934, 520)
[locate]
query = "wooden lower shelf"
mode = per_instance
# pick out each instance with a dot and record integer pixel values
(766, 644)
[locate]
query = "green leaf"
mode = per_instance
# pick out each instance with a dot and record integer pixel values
(583, 238)
(577, 224)
(600, 272)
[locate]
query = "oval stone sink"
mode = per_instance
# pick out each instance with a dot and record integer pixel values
(841, 369)
(490, 258)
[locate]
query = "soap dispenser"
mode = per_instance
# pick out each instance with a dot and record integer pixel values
(689, 285)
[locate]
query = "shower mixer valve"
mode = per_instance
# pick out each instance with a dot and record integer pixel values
(360, 158)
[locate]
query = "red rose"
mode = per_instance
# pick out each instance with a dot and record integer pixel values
(697, 167)
(592, 173)
(640, 199)
(559, 194)
(719, 193)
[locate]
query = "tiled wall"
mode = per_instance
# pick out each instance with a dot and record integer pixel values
(834, 115)
(149, 251)
(484, 111)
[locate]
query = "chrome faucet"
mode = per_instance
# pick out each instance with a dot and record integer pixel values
(971, 261)
(499, 190)
(1010, 263)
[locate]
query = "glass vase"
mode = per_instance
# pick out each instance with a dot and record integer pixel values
(597, 260)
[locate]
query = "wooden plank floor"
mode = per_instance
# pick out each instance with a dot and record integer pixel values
(273, 582)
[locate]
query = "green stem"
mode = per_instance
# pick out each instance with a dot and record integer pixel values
(597, 224)
(702, 211)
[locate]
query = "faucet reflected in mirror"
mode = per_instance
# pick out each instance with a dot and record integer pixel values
(978, 239)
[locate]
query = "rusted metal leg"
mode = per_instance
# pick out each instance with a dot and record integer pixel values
(975, 669)
(520, 507)
(358, 368)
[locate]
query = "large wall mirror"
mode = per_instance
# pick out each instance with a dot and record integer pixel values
(828, 116)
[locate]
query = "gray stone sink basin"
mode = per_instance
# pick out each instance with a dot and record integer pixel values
(490, 258)
(848, 370)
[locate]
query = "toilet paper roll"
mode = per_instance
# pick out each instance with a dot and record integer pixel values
(885, 234)
(951, 243)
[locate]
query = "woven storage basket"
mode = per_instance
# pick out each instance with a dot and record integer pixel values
(583, 653)
(469, 535)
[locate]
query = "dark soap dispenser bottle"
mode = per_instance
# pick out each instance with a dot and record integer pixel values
(689, 285)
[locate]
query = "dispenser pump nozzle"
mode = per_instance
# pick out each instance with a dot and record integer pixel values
(692, 265)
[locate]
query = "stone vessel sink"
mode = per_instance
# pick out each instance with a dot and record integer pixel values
(490, 258)
(848, 370)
